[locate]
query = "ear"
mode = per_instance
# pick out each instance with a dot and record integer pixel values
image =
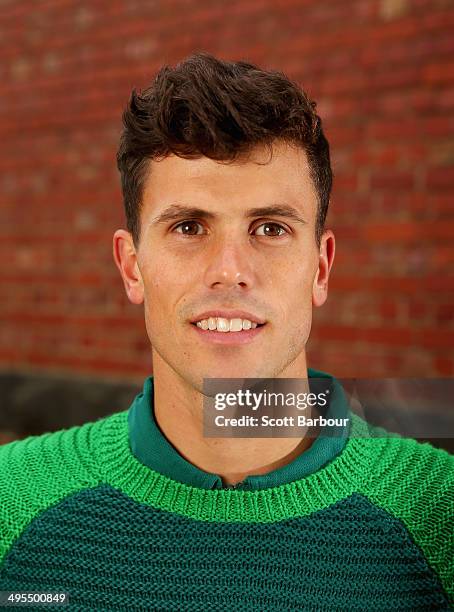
(326, 258)
(125, 257)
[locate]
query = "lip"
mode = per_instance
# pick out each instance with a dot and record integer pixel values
(232, 338)
(229, 314)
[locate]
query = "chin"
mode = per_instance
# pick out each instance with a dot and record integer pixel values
(237, 371)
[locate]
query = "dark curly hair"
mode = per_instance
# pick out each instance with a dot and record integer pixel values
(219, 109)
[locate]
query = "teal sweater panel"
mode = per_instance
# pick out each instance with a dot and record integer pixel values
(373, 529)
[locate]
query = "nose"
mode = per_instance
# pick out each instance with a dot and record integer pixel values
(229, 265)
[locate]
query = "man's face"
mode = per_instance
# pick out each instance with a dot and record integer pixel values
(229, 258)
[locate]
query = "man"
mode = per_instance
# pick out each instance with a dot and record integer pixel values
(226, 181)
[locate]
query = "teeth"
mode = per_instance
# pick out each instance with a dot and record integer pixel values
(222, 324)
(226, 325)
(236, 324)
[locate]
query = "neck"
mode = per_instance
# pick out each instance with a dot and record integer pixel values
(178, 408)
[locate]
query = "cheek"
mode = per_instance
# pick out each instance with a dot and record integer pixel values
(167, 271)
(293, 292)
(299, 311)
(166, 280)
(294, 281)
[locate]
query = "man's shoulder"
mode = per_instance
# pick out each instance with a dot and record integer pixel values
(429, 468)
(425, 450)
(49, 448)
(414, 480)
(409, 459)
(410, 477)
(39, 471)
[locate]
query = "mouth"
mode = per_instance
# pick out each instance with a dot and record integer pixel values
(228, 330)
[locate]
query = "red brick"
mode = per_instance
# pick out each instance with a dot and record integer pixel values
(412, 231)
(439, 73)
(416, 309)
(392, 180)
(435, 338)
(445, 314)
(443, 256)
(388, 310)
(440, 178)
(444, 366)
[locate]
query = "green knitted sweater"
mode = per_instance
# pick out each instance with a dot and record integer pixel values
(110, 513)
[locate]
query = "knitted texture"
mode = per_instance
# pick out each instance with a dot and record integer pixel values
(372, 530)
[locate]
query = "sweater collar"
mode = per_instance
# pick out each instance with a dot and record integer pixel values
(152, 449)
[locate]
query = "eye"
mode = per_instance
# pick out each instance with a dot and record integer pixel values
(187, 228)
(276, 227)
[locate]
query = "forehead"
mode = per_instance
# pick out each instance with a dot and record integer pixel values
(255, 179)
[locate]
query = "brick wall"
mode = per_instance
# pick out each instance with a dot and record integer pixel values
(383, 75)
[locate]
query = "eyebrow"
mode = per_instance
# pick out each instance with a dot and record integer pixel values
(178, 211)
